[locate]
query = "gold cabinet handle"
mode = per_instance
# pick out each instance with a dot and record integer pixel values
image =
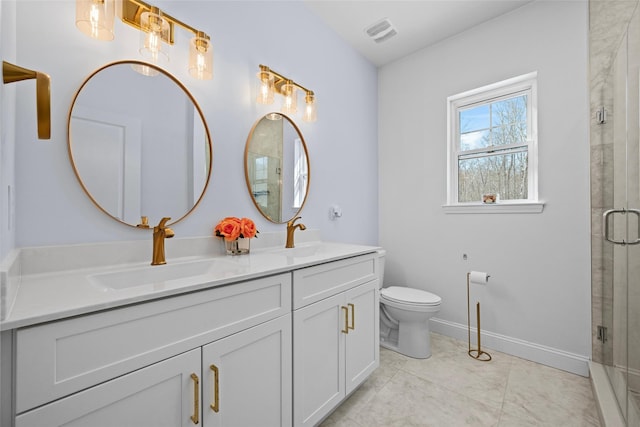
(216, 396)
(353, 316)
(196, 399)
(346, 319)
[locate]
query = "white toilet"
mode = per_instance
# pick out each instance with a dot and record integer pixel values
(404, 317)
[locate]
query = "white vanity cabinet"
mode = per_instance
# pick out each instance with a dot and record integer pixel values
(247, 377)
(161, 395)
(280, 344)
(335, 334)
(151, 364)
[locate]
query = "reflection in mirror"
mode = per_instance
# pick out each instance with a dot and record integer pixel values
(139, 145)
(277, 167)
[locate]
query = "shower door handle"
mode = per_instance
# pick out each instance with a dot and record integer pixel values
(605, 225)
(636, 212)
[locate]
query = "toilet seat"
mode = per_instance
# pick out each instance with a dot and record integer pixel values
(409, 296)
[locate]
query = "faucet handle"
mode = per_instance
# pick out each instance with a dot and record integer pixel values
(293, 221)
(163, 221)
(144, 222)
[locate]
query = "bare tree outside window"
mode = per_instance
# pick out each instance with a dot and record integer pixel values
(492, 148)
(493, 151)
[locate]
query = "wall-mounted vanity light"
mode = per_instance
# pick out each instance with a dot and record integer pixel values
(272, 82)
(95, 19)
(12, 73)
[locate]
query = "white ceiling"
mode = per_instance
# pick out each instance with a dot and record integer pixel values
(419, 23)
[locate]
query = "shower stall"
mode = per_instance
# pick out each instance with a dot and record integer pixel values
(614, 52)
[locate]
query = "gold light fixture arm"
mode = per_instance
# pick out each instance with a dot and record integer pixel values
(132, 11)
(13, 73)
(281, 80)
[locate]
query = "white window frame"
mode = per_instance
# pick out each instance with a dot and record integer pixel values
(300, 173)
(526, 83)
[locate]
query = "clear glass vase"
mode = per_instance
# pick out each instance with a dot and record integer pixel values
(240, 246)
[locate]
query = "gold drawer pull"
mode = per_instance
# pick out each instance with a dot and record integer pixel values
(346, 320)
(353, 316)
(216, 398)
(196, 399)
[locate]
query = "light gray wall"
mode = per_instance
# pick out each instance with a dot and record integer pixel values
(539, 290)
(7, 179)
(51, 208)
(7, 131)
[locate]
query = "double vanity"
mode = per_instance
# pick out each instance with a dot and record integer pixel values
(278, 337)
(92, 335)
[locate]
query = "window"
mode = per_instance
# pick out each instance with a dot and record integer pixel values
(492, 144)
(300, 173)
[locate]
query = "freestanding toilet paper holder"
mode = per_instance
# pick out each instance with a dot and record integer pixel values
(478, 353)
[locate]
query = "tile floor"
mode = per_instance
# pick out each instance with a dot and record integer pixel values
(450, 389)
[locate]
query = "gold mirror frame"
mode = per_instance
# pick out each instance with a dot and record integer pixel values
(134, 63)
(246, 167)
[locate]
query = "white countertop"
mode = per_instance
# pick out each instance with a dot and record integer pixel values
(43, 296)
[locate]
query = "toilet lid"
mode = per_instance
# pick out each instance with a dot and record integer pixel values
(409, 295)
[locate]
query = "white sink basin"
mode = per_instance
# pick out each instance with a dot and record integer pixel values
(157, 276)
(301, 251)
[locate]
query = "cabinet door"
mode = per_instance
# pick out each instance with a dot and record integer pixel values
(247, 377)
(318, 369)
(163, 394)
(363, 339)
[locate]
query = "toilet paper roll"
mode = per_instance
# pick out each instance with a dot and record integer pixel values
(479, 277)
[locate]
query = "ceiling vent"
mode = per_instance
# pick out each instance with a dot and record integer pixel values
(381, 31)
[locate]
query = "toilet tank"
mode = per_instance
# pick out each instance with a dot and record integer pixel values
(381, 255)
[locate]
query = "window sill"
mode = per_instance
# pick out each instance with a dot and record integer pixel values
(496, 208)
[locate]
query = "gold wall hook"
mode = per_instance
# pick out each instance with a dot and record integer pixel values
(13, 73)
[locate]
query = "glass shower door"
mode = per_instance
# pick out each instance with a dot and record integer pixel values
(633, 222)
(621, 250)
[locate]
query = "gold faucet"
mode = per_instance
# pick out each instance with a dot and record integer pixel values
(291, 228)
(160, 232)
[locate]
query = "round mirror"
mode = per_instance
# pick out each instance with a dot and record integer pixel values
(139, 144)
(276, 167)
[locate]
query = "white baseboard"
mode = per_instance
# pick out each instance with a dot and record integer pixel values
(538, 353)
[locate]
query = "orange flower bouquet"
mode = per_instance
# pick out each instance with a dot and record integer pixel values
(236, 233)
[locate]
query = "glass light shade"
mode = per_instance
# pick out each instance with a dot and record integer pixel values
(155, 29)
(95, 18)
(145, 70)
(266, 88)
(290, 101)
(273, 116)
(310, 112)
(201, 57)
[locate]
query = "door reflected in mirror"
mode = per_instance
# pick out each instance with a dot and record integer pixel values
(277, 167)
(139, 145)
